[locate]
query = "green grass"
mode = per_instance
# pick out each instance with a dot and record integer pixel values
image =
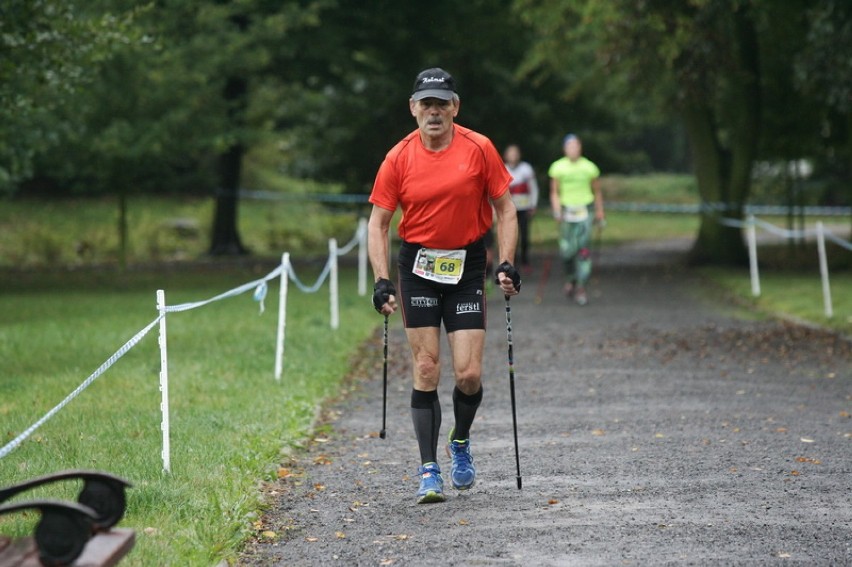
(797, 295)
(230, 420)
(75, 232)
(621, 228)
(650, 188)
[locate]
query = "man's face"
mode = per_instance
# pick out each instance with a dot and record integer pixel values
(434, 116)
(512, 155)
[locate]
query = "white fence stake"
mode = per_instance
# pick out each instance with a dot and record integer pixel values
(823, 270)
(332, 284)
(164, 381)
(751, 234)
(282, 315)
(362, 257)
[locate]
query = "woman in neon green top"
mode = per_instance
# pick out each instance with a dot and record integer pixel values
(574, 190)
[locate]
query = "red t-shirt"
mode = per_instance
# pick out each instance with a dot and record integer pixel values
(444, 195)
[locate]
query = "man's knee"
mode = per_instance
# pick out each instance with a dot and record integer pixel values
(426, 365)
(469, 380)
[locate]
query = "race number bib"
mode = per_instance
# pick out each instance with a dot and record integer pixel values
(575, 214)
(442, 266)
(522, 201)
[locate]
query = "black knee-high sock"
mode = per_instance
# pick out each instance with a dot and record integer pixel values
(464, 408)
(426, 415)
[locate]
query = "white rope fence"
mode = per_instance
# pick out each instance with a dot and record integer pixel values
(820, 232)
(13, 444)
(284, 271)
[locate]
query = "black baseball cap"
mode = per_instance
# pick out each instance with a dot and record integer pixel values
(434, 83)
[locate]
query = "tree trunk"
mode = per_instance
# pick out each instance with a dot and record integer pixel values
(122, 229)
(225, 240)
(723, 172)
(715, 243)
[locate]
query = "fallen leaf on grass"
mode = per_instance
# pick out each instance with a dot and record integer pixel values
(340, 535)
(386, 562)
(269, 534)
(808, 460)
(311, 539)
(795, 473)
(783, 555)
(553, 501)
(401, 537)
(464, 522)
(322, 460)
(806, 440)
(781, 430)
(659, 435)
(598, 432)
(319, 487)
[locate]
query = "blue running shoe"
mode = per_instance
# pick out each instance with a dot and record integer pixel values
(462, 473)
(431, 484)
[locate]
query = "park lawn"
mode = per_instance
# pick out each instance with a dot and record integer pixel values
(83, 231)
(230, 420)
(794, 295)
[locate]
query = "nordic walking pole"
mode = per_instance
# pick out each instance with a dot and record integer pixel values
(385, 381)
(512, 387)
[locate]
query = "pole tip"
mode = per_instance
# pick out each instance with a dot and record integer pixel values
(382, 433)
(519, 483)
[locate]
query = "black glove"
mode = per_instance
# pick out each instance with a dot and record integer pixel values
(510, 272)
(382, 290)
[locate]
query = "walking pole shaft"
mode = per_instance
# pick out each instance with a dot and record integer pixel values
(382, 433)
(512, 388)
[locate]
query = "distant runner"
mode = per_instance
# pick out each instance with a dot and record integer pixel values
(575, 196)
(524, 190)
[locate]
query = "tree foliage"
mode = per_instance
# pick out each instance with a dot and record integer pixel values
(47, 52)
(722, 67)
(110, 96)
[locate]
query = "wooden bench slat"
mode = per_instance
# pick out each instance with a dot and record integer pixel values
(19, 552)
(106, 549)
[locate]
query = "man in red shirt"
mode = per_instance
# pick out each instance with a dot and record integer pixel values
(445, 178)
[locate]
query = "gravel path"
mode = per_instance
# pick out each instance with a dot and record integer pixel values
(655, 428)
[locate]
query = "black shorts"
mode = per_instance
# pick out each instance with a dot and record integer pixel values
(426, 303)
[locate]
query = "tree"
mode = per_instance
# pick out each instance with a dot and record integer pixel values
(48, 51)
(708, 61)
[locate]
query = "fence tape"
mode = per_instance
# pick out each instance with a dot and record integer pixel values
(230, 293)
(696, 208)
(103, 368)
(360, 233)
(356, 239)
(837, 240)
(785, 233)
(315, 287)
(345, 198)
